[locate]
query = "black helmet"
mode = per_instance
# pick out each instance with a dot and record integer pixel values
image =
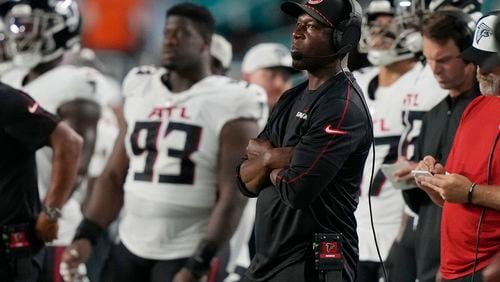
(41, 30)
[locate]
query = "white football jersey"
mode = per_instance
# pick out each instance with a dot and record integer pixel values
(424, 95)
(386, 105)
(52, 89)
(172, 143)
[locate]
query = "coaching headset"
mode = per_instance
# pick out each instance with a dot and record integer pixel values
(346, 31)
(462, 19)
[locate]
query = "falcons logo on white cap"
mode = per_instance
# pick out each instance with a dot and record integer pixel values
(483, 30)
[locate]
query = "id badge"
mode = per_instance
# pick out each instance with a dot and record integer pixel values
(16, 240)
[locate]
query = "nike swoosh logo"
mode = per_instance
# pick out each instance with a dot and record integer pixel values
(330, 130)
(32, 109)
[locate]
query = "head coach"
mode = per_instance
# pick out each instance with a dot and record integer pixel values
(306, 165)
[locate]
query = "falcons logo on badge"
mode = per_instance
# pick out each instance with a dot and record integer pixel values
(482, 31)
(330, 247)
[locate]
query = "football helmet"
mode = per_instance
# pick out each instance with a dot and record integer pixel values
(471, 7)
(382, 35)
(5, 45)
(42, 30)
(5, 50)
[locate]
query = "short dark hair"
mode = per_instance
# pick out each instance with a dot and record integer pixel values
(201, 17)
(443, 26)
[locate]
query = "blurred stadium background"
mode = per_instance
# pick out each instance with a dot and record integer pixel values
(125, 33)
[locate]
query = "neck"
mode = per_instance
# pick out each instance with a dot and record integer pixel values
(320, 75)
(41, 69)
(182, 79)
(391, 73)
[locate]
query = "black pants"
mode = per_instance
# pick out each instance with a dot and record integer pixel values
(427, 242)
(299, 272)
(401, 260)
(123, 266)
(19, 270)
(368, 271)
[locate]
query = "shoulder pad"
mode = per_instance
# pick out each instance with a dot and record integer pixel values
(137, 79)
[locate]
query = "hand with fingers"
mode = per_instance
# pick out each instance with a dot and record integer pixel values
(453, 188)
(404, 174)
(429, 163)
(46, 229)
(184, 275)
(257, 147)
(73, 258)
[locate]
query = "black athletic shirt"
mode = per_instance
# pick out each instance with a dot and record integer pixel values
(24, 128)
(331, 133)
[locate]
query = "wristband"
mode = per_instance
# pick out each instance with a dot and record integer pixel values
(88, 230)
(471, 190)
(200, 262)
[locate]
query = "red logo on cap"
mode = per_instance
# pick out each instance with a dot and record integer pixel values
(314, 2)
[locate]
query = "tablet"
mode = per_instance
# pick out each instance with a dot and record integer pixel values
(389, 169)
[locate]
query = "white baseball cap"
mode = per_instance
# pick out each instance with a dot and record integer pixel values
(222, 50)
(267, 55)
(483, 51)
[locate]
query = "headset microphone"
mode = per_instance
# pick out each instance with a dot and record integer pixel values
(342, 51)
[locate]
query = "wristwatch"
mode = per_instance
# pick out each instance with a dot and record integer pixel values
(52, 213)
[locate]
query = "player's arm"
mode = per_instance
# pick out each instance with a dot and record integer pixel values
(82, 115)
(103, 206)
(107, 198)
(229, 205)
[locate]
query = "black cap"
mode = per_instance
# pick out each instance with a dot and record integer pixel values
(328, 12)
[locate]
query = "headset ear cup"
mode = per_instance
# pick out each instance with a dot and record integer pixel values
(346, 36)
(351, 37)
(347, 33)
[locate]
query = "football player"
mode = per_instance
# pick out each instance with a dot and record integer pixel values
(176, 158)
(395, 70)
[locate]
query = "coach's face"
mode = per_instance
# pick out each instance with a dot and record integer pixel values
(489, 81)
(450, 71)
(310, 39)
(183, 44)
